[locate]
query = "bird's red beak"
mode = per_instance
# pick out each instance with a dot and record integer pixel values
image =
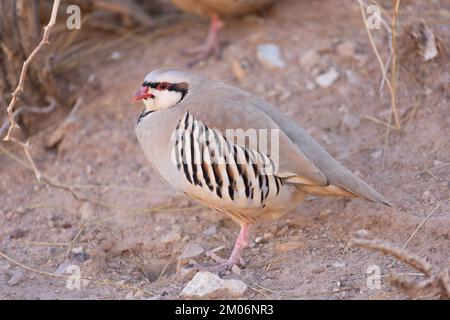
(142, 93)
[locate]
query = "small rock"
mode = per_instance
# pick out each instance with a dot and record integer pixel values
(21, 210)
(310, 85)
(17, 276)
(289, 246)
(269, 55)
(115, 55)
(190, 251)
(309, 59)
(79, 254)
(236, 270)
(210, 231)
(428, 197)
(354, 78)
(207, 284)
(77, 250)
(318, 270)
(10, 215)
(328, 78)
(62, 268)
(346, 49)
(351, 121)
(238, 70)
(361, 233)
(267, 236)
(171, 237)
(187, 272)
(86, 210)
(258, 239)
(437, 163)
(338, 264)
(376, 154)
(323, 215)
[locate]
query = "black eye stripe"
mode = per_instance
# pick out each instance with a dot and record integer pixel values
(171, 87)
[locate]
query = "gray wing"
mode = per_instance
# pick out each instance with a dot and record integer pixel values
(302, 160)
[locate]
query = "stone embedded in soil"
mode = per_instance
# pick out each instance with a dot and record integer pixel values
(376, 154)
(351, 121)
(210, 231)
(326, 79)
(236, 270)
(190, 251)
(309, 59)
(338, 264)
(86, 210)
(346, 49)
(171, 237)
(187, 272)
(17, 276)
(206, 284)
(62, 268)
(269, 55)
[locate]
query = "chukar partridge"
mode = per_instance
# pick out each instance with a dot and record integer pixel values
(234, 152)
(215, 9)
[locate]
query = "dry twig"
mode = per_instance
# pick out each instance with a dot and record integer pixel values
(392, 58)
(437, 284)
(20, 87)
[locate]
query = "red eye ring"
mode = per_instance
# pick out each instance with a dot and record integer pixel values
(162, 86)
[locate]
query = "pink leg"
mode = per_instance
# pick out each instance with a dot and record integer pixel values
(211, 45)
(235, 257)
(241, 242)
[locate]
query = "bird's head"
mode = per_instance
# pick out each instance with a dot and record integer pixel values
(164, 88)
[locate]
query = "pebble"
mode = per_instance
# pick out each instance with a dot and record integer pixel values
(437, 163)
(376, 154)
(210, 231)
(309, 59)
(115, 55)
(171, 237)
(427, 196)
(346, 49)
(206, 284)
(258, 239)
(86, 210)
(351, 121)
(186, 273)
(267, 236)
(236, 270)
(190, 251)
(62, 268)
(361, 233)
(269, 55)
(310, 85)
(338, 264)
(354, 78)
(328, 78)
(17, 276)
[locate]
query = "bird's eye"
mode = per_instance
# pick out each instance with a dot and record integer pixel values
(162, 86)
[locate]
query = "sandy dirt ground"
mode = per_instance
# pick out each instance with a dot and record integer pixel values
(128, 228)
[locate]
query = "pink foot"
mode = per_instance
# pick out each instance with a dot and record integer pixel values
(235, 257)
(211, 45)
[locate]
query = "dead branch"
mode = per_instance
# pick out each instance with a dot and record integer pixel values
(392, 58)
(437, 284)
(401, 254)
(20, 87)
